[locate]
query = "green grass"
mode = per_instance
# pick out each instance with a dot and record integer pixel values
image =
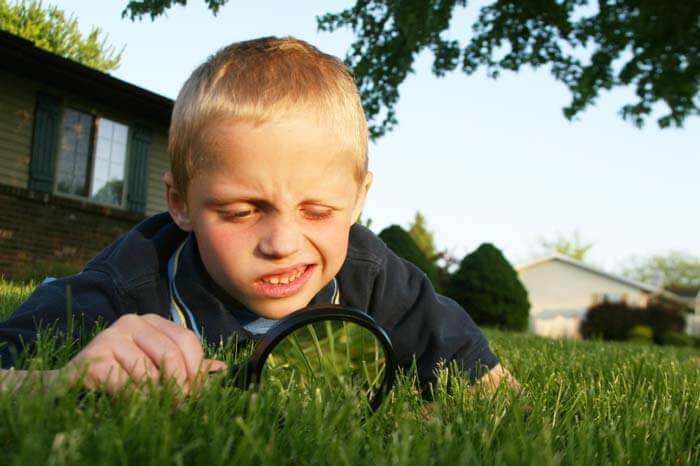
(586, 403)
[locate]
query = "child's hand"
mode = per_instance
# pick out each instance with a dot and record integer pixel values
(496, 376)
(138, 348)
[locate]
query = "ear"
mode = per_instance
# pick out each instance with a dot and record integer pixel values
(177, 204)
(362, 195)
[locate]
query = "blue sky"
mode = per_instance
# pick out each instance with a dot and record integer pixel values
(484, 160)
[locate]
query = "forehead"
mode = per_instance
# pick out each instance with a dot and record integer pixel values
(291, 156)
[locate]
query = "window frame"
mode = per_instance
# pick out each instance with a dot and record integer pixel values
(95, 116)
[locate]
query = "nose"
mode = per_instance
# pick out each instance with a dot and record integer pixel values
(281, 238)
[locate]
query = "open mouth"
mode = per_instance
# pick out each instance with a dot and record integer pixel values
(284, 284)
(285, 278)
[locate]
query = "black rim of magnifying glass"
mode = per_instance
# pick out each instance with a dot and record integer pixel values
(320, 313)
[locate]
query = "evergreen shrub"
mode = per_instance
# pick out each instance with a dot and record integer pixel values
(487, 286)
(399, 241)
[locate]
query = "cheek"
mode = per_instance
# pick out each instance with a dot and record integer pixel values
(331, 239)
(218, 244)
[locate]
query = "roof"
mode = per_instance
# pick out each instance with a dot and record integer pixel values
(22, 58)
(655, 290)
(685, 291)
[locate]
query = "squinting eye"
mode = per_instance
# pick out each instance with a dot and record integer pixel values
(317, 213)
(238, 214)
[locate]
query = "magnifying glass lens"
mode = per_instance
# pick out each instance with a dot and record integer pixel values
(328, 355)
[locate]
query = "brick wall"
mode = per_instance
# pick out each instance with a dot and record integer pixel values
(38, 229)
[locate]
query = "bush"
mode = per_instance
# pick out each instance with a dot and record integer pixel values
(641, 334)
(615, 321)
(678, 339)
(665, 320)
(611, 321)
(487, 286)
(399, 241)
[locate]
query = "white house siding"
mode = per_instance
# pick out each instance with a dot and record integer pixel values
(560, 294)
(692, 324)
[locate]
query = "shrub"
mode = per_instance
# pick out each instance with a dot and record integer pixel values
(678, 339)
(399, 241)
(611, 321)
(614, 321)
(487, 286)
(641, 334)
(665, 320)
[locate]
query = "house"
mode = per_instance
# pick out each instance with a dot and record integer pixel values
(82, 156)
(691, 296)
(561, 289)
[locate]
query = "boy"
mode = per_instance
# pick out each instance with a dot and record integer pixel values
(268, 159)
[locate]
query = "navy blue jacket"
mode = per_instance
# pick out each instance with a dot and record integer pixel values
(130, 276)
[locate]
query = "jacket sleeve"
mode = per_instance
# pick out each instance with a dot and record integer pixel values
(68, 307)
(422, 323)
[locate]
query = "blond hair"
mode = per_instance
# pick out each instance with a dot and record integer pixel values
(255, 81)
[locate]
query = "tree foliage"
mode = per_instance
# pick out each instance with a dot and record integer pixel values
(573, 247)
(488, 287)
(589, 45)
(422, 236)
(399, 241)
(50, 29)
(137, 9)
(679, 270)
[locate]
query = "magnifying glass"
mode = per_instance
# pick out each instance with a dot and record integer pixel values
(323, 347)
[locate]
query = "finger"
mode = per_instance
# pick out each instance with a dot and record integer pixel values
(115, 379)
(162, 351)
(107, 376)
(208, 366)
(186, 341)
(135, 362)
(212, 365)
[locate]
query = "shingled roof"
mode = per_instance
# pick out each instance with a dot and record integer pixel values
(21, 57)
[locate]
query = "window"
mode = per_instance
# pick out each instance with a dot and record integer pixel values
(92, 157)
(599, 298)
(78, 154)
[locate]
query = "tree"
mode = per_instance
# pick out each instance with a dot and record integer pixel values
(589, 45)
(137, 9)
(678, 269)
(573, 247)
(50, 29)
(487, 286)
(422, 236)
(399, 241)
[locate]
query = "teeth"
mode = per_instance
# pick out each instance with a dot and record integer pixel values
(284, 280)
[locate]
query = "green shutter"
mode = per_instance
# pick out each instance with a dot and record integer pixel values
(44, 143)
(138, 170)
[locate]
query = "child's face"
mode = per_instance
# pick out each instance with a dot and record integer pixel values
(272, 214)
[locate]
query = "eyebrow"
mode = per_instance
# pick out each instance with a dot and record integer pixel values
(223, 201)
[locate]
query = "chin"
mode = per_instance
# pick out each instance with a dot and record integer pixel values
(278, 311)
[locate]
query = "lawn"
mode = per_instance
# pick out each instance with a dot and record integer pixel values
(586, 403)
